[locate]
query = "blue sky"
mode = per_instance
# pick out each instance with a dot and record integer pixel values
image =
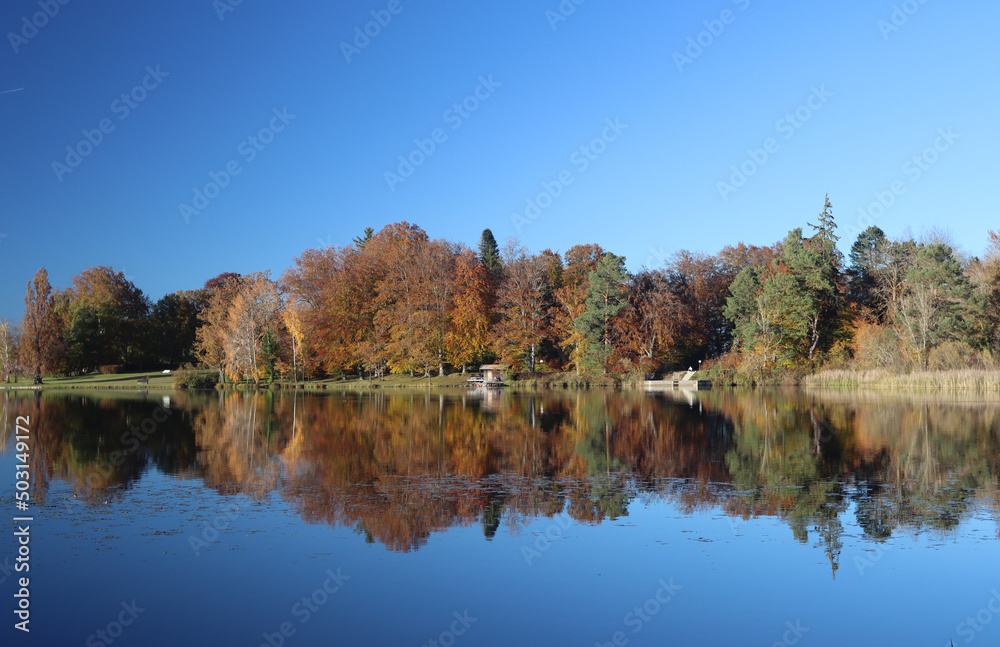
(869, 96)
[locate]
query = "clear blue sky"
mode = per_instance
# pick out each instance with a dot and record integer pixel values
(651, 191)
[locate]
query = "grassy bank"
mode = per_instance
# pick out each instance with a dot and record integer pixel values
(130, 381)
(98, 381)
(972, 379)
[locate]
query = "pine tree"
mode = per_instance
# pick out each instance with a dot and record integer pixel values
(814, 295)
(606, 296)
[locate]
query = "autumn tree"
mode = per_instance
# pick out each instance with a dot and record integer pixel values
(409, 300)
(108, 318)
(524, 303)
(212, 334)
(294, 322)
(571, 301)
(8, 349)
(249, 328)
(648, 326)
(700, 284)
(41, 339)
(471, 320)
(606, 297)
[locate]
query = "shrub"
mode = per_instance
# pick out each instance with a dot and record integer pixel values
(110, 369)
(193, 378)
(949, 356)
(877, 347)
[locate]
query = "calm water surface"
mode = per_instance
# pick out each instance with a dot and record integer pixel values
(577, 518)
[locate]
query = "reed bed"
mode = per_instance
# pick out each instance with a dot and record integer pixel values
(971, 379)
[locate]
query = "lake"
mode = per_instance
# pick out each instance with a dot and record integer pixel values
(492, 518)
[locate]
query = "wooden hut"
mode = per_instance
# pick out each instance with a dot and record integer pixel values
(492, 374)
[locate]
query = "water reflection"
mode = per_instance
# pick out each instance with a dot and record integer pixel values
(398, 467)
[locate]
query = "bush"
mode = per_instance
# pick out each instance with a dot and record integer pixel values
(110, 369)
(192, 378)
(950, 356)
(877, 347)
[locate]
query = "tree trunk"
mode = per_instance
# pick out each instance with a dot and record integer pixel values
(815, 337)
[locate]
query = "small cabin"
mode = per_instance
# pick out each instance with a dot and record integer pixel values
(492, 373)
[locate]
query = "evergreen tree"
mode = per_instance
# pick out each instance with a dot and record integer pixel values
(489, 254)
(359, 242)
(814, 273)
(867, 256)
(606, 296)
(826, 228)
(741, 306)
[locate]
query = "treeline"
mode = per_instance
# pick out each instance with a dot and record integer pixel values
(398, 301)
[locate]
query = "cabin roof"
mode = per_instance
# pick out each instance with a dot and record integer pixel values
(491, 367)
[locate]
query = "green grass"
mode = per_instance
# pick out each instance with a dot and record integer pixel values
(388, 382)
(454, 380)
(96, 380)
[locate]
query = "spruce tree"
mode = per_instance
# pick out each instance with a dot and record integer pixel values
(606, 297)
(360, 241)
(867, 257)
(489, 254)
(826, 228)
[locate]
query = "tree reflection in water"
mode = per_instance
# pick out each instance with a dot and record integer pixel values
(398, 467)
